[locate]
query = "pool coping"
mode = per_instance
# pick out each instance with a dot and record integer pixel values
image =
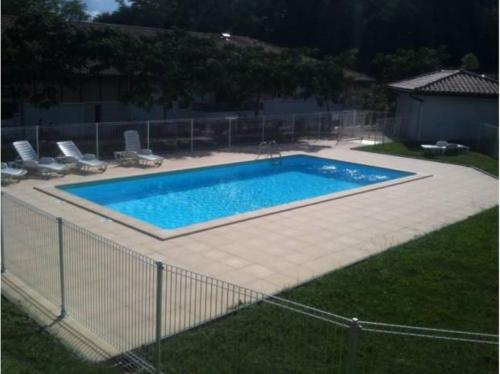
(165, 234)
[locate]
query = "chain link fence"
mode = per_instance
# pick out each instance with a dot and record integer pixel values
(138, 305)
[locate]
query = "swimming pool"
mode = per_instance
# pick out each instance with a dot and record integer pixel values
(178, 199)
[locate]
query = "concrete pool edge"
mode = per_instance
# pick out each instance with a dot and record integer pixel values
(163, 234)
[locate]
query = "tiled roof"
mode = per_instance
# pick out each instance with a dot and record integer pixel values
(449, 82)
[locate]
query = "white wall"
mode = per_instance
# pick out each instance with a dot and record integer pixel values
(455, 118)
(112, 111)
(284, 106)
(444, 117)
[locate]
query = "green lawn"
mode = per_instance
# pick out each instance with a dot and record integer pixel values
(27, 349)
(478, 160)
(447, 279)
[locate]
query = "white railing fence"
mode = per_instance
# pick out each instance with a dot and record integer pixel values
(199, 134)
(137, 304)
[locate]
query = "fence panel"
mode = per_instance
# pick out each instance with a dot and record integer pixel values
(263, 338)
(31, 247)
(264, 334)
(191, 134)
(247, 131)
(211, 133)
(170, 136)
(83, 134)
(111, 139)
(132, 302)
(109, 288)
(306, 126)
(279, 128)
(487, 139)
(395, 353)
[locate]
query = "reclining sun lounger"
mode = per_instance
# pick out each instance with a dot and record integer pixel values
(442, 147)
(84, 162)
(30, 160)
(433, 149)
(12, 174)
(133, 147)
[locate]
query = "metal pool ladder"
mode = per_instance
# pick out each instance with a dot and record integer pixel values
(268, 149)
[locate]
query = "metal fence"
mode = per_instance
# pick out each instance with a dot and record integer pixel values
(198, 134)
(487, 139)
(137, 305)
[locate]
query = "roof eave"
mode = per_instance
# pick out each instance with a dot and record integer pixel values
(461, 94)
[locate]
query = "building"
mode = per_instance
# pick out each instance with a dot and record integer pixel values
(446, 105)
(97, 99)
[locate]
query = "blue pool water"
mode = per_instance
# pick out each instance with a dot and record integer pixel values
(178, 199)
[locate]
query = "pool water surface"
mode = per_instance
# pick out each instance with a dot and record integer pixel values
(178, 199)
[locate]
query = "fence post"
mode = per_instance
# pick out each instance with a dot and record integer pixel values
(147, 135)
(159, 293)
(384, 128)
(97, 139)
(263, 127)
(229, 134)
(353, 345)
(61, 266)
(2, 244)
(319, 126)
(191, 132)
(37, 140)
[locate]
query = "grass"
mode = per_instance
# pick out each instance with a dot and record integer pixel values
(478, 160)
(28, 349)
(446, 279)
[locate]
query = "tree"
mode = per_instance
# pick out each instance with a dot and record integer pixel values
(377, 98)
(408, 62)
(371, 26)
(70, 10)
(326, 80)
(347, 59)
(470, 62)
(40, 54)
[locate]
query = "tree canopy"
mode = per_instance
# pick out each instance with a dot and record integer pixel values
(333, 26)
(70, 10)
(405, 63)
(41, 53)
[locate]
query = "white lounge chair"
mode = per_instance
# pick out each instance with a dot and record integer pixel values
(30, 160)
(85, 161)
(442, 147)
(433, 149)
(133, 147)
(12, 174)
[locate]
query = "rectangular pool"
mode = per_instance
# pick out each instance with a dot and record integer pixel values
(174, 200)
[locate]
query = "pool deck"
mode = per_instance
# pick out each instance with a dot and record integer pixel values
(287, 248)
(267, 253)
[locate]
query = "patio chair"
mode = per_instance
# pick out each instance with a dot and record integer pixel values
(133, 146)
(84, 162)
(30, 160)
(433, 149)
(443, 147)
(12, 174)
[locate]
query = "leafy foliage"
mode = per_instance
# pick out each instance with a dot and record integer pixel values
(407, 62)
(333, 26)
(42, 53)
(39, 54)
(71, 10)
(470, 62)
